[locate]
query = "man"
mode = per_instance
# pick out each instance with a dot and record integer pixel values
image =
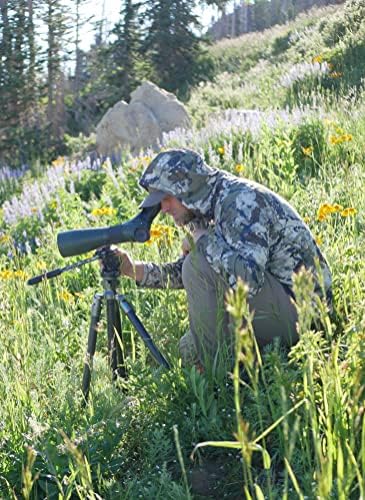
(239, 229)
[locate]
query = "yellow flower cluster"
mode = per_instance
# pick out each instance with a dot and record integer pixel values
(239, 168)
(339, 139)
(7, 274)
(140, 163)
(317, 59)
(221, 150)
(160, 233)
(327, 209)
(5, 238)
(307, 151)
(99, 212)
(66, 296)
(58, 162)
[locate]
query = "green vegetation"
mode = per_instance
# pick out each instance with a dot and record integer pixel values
(290, 425)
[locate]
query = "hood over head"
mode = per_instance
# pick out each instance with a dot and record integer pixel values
(184, 174)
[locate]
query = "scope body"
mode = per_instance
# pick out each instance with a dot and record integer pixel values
(79, 241)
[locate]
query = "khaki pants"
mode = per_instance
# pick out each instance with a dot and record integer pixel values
(274, 312)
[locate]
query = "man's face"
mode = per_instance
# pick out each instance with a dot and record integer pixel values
(172, 206)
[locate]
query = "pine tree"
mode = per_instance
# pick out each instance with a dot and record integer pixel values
(124, 52)
(58, 29)
(18, 83)
(172, 44)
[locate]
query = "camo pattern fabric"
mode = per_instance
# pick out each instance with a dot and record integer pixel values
(252, 229)
(162, 276)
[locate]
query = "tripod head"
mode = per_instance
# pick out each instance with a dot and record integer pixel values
(78, 241)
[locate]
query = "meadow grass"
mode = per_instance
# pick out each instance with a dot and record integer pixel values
(276, 425)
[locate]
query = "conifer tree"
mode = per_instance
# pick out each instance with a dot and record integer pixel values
(58, 29)
(18, 83)
(172, 44)
(124, 51)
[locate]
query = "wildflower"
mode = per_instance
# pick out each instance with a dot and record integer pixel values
(319, 240)
(107, 164)
(306, 219)
(339, 139)
(335, 74)
(99, 212)
(307, 151)
(66, 296)
(324, 210)
(302, 71)
(348, 212)
(317, 59)
(41, 265)
(6, 274)
(20, 274)
(160, 233)
(5, 238)
(58, 162)
(239, 168)
(220, 150)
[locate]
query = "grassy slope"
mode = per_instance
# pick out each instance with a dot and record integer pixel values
(124, 445)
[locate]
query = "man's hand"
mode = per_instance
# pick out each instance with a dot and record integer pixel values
(127, 266)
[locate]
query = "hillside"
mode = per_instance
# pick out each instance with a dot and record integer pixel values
(285, 109)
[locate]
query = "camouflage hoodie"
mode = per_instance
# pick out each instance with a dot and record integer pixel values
(252, 230)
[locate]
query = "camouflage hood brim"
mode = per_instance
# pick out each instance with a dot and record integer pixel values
(184, 174)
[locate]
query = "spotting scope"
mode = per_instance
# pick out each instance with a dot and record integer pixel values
(78, 241)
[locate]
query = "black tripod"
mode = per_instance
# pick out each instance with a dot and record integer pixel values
(114, 303)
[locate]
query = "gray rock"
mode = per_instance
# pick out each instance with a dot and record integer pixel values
(140, 124)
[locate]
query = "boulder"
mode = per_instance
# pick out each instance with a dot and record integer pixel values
(140, 124)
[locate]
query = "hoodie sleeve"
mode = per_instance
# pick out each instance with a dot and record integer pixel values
(167, 275)
(239, 245)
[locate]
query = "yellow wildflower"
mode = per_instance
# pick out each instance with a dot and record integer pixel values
(307, 151)
(220, 150)
(66, 296)
(20, 274)
(58, 162)
(99, 212)
(239, 168)
(107, 164)
(324, 210)
(317, 59)
(5, 238)
(319, 239)
(41, 265)
(306, 219)
(348, 212)
(336, 207)
(6, 274)
(339, 139)
(160, 233)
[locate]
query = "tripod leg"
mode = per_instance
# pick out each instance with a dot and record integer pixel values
(129, 311)
(114, 326)
(91, 344)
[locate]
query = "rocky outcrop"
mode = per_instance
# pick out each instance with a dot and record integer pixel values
(141, 123)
